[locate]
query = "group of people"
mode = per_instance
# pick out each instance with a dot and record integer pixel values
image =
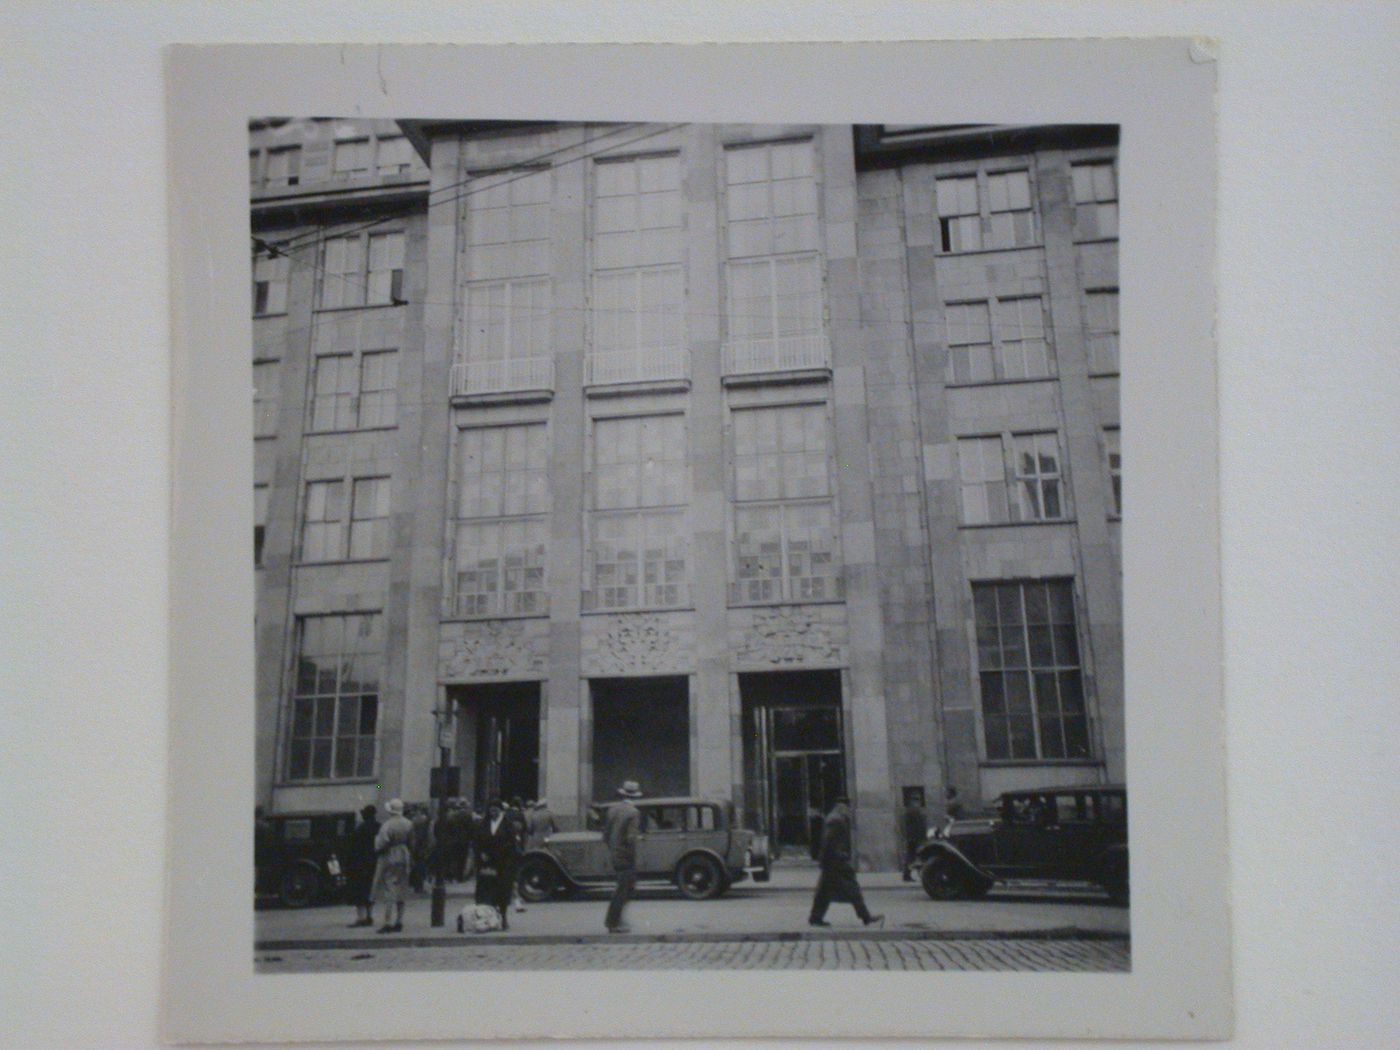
(385, 861)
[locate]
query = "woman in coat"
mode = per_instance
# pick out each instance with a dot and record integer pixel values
(498, 852)
(391, 870)
(359, 866)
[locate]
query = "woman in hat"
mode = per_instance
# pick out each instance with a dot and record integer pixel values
(391, 870)
(359, 866)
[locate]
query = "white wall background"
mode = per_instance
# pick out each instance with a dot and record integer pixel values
(1311, 446)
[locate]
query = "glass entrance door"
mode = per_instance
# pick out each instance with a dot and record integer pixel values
(806, 772)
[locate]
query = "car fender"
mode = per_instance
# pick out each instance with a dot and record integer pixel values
(550, 859)
(939, 848)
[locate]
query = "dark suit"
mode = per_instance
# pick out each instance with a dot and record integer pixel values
(498, 853)
(838, 877)
(621, 831)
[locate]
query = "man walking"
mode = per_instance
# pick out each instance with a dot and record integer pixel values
(915, 831)
(624, 824)
(838, 877)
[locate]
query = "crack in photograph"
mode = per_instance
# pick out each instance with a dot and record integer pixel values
(687, 546)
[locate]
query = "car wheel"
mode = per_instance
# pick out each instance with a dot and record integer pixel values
(699, 878)
(538, 881)
(299, 887)
(943, 881)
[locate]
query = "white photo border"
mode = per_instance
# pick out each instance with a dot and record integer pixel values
(1160, 92)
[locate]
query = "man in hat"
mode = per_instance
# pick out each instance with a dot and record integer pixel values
(624, 824)
(838, 877)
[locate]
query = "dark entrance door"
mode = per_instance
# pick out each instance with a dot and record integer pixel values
(795, 765)
(500, 751)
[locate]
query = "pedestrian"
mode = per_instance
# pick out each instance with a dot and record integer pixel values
(624, 824)
(391, 845)
(497, 852)
(838, 878)
(421, 846)
(915, 831)
(952, 805)
(359, 866)
(459, 830)
(541, 824)
(520, 822)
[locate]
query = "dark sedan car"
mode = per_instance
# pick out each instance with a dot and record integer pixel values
(298, 858)
(1064, 834)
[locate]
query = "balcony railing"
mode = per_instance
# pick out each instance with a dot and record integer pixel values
(781, 354)
(638, 366)
(496, 377)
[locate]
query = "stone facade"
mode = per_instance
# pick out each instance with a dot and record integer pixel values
(891, 642)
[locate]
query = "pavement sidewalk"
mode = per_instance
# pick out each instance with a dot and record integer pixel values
(774, 911)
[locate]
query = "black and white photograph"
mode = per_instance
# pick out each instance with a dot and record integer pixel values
(687, 545)
(686, 541)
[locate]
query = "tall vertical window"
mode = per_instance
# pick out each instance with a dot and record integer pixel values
(501, 529)
(1114, 460)
(998, 340)
(322, 528)
(1009, 480)
(1101, 329)
(283, 167)
(369, 518)
(267, 385)
(269, 284)
(504, 329)
(1095, 200)
(638, 537)
(985, 210)
(638, 282)
(784, 533)
(335, 699)
(362, 270)
(355, 390)
(260, 494)
(1028, 667)
(773, 240)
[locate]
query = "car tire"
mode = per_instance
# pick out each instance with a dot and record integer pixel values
(299, 886)
(943, 881)
(538, 880)
(699, 878)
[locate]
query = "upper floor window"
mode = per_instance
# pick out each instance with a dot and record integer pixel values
(636, 212)
(352, 158)
(269, 283)
(394, 157)
(267, 384)
(1095, 200)
(784, 522)
(276, 167)
(327, 535)
(362, 269)
(997, 340)
(335, 697)
(771, 199)
(1011, 479)
(353, 391)
(638, 537)
(1028, 667)
(1113, 455)
(507, 225)
(501, 530)
(985, 210)
(1101, 329)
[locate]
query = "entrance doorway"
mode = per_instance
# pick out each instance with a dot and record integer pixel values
(498, 741)
(641, 732)
(794, 759)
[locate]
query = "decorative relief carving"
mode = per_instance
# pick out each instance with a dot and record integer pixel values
(640, 644)
(783, 637)
(494, 649)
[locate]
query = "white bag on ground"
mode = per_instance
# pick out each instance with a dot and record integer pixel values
(478, 918)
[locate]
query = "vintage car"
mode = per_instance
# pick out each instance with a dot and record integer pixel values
(1064, 834)
(691, 842)
(298, 858)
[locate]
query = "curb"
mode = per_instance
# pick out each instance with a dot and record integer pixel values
(1068, 933)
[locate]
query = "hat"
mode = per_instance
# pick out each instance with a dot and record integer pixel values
(395, 806)
(630, 789)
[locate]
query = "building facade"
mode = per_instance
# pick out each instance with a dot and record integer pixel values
(763, 462)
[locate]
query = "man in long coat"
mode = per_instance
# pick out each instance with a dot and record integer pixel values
(498, 854)
(838, 877)
(623, 827)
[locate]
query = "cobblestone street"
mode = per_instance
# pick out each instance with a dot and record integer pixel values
(1107, 955)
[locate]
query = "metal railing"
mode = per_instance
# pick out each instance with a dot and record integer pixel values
(637, 365)
(780, 354)
(492, 377)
